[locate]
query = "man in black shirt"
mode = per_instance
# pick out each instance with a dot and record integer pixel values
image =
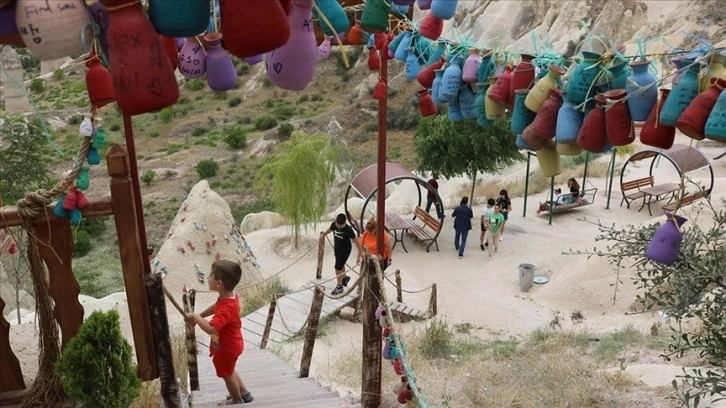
(343, 234)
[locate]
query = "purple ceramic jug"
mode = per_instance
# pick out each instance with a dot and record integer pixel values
(666, 242)
(292, 66)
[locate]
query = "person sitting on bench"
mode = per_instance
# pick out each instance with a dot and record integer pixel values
(559, 199)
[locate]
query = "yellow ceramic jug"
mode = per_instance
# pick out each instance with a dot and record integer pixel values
(541, 89)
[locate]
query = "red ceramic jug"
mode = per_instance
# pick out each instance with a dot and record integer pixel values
(593, 135)
(530, 137)
(405, 395)
(499, 92)
(354, 33)
(523, 74)
(169, 44)
(143, 79)
(253, 27)
(426, 76)
(692, 121)
(618, 125)
(657, 134)
(426, 104)
(544, 124)
(99, 84)
(374, 61)
(431, 27)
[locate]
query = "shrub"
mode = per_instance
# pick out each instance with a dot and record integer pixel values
(94, 226)
(152, 134)
(266, 83)
(58, 74)
(265, 122)
(166, 114)
(207, 168)
(242, 69)
(75, 120)
(285, 130)
(37, 85)
(196, 84)
(437, 338)
(235, 137)
(81, 243)
(148, 177)
(96, 366)
(115, 127)
(234, 101)
(198, 131)
(303, 98)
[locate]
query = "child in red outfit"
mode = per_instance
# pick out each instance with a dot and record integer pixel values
(225, 328)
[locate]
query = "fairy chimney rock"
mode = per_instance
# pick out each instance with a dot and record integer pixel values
(13, 92)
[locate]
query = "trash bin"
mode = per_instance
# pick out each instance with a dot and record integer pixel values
(526, 276)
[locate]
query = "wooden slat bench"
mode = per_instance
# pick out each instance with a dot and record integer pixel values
(419, 231)
(637, 184)
(686, 200)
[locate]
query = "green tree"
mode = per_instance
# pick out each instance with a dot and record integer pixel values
(148, 176)
(463, 147)
(235, 137)
(692, 292)
(207, 168)
(299, 178)
(23, 166)
(96, 366)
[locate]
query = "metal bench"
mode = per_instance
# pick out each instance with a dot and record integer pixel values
(636, 185)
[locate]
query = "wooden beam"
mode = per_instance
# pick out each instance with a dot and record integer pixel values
(312, 332)
(372, 339)
(321, 254)
(97, 207)
(189, 299)
(11, 375)
(170, 392)
(268, 323)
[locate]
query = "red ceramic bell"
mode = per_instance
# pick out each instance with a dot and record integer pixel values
(431, 27)
(169, 44)
(142, 75)
(426, 104)
(593, 134)
(374, 61)
(692, 122)
(397, 366)
(534, 142)
(99, 84)
(354, 33)
(253, 27)
(657, 134)
(499, 92)
(379, 92)
(544, 124)
(426, 76)
(618, 125)
(523, 74)
(405, 395)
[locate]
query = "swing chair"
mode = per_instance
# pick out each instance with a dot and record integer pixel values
(566, 202)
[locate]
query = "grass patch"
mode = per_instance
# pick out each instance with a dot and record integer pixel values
(99, 272)
(261, 295)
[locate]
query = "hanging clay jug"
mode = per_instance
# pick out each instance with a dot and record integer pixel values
(544, 124)
(581, 82)
(99, 84)
(471, 66)
(618, 125)
(535, 143)
(354, 35)
(426, 76)
(142, 75)
(467, 100)
(292, 66)
(192, 59)
(486, 67)
(666, 242)
(568, 149)
(499, 92)
(431, 26)
(436, 86)
(569, 121)
(642, 90)
(221, 74)
(402, 48)
(399, 385)
(716, 69)
(716, 124)
(393, 45)
(179, 18)
(549, 159)
(479, 106)
(593, 134)
(521, 115)
(426, 104)
(693, 120)
(493, 110)
(334, 12)
(9, 33)
(451, 82)
(406, 393)
(436, 51)
(657, 134)
(255, 59)
(615, 77)
(444, 9)
(682, 93)
(253, 27)
(169, 45)
(542, 89)
(324, 48)
(523, 74)
(413, 66)
(522, 144)
(454, 110)
(54, 29)
(375, 16)
(423, 4)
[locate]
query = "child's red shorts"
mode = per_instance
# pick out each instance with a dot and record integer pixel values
(224, 364)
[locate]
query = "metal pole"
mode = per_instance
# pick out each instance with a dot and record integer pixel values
(584, 177)
(552, 198)
(526, 185)
(610, 182)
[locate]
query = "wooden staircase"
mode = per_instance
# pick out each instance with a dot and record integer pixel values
(272, 382)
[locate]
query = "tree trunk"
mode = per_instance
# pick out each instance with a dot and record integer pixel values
(473, 185)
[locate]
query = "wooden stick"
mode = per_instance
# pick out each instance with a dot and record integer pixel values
(321, 254)
(173, 302)
(268, 323)
(399, 289)
(312, 331)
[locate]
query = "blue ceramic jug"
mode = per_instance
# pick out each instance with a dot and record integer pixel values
(467, 102)
(402, 49)
(486, 67)
(479, 107)
(642, 90)
(716, 123)
(569, 121)
(682, 93)
(451, 82)
(444, 9)
(413, 66)
(454, 110)
(581, 85)
(334, 12)
(521, 115)
(179, 18)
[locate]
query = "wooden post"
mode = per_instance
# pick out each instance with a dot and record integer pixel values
(132, 261)
(268, 323)
(433, 308)
(399, 289)
(321, 253)
(311, 332)
(170, 392)
(189, 299)
(372, 340)
(358, 306)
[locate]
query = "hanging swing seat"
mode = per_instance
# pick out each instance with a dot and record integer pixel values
(586, 197)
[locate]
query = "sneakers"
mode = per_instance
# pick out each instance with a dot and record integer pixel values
(489, 258)
(247, 398)
(337, 291)
(501, 239)
(461, 256)
(481, 246)
(346, 279)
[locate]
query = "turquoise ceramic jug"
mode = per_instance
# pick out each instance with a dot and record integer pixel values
(682, 93)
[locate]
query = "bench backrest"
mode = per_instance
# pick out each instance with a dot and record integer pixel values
(637, 183)
(427, 219)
